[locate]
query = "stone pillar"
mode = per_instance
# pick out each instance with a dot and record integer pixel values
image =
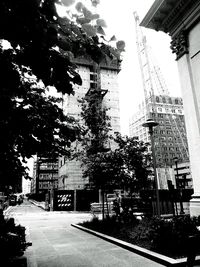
(188, 59)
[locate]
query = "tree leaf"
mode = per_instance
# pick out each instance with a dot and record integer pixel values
(100, 30)
(113, 38)
(79, 6)
(77, 79)
(89, 29)
(95, 16)
(120, 45)
(87, 13)
(82, 20)
(95, 2)
(101, 22)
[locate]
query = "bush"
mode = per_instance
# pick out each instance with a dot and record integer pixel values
(169, 236)
(12, 240)
(165, 236)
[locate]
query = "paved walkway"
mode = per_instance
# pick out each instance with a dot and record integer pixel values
(55, 243)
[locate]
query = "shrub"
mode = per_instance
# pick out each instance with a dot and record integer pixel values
(171, 236)
(12, 239)
(166, 236)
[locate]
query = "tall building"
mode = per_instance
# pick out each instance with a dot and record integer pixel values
(26, 186)
(45, 175)
(169, 136)
(104, 78)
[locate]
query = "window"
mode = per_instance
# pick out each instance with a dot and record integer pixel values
(93, 77)
(176, 101)
(157, 99)
(170, 100)
(93, 85)
(163, 100)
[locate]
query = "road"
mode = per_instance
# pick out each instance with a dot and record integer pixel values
(55, 243)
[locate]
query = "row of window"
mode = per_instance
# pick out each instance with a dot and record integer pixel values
(48, 185)
(48, 176)
(165, 148)
(168, 100)
(170, 160)
(169, 132)
(168, 110)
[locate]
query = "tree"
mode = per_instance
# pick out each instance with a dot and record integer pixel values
(128, 166)
(136, 162)
(39, 55)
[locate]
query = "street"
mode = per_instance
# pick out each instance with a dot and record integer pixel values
(55, 243)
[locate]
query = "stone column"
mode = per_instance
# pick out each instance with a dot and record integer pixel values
(183, 45)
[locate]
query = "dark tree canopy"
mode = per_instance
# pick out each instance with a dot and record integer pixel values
(40, 55)
(136, 162)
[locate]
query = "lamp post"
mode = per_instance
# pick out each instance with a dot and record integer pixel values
(177, 186)
(150, 124)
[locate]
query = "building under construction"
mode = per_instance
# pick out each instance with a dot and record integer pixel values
(170, 134)
(102, 77)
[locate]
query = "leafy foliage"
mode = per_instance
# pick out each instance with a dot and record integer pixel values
(39, 55)
(12, 240)
(126, 166)
(94, 152)
(168, 237)
(136, 162)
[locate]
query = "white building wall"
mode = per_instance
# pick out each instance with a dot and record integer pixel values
(188, 66)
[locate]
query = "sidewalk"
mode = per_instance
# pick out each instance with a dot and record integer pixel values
(55, 243)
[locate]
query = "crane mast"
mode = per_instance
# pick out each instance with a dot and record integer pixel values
(154, 85)
(147, 81)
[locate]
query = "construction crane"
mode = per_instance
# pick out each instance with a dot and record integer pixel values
(154, 85)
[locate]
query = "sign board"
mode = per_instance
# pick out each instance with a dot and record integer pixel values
(64, 200)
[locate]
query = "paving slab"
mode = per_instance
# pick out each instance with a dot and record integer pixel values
(55, 243)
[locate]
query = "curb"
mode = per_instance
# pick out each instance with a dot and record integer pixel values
(167, 261)
(38, 204)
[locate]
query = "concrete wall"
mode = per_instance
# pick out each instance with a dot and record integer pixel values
(70, 172)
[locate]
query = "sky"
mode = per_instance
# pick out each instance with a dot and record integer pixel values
(120, 22)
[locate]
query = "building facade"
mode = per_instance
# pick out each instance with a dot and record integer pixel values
(103, 76)
(45, 175)
(26, 186)
(181, 20)
(170, 137)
